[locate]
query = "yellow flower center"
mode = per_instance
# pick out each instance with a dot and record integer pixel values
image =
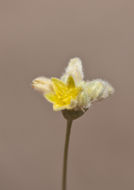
(64, 93)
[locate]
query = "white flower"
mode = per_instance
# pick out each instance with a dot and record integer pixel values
(71, 92)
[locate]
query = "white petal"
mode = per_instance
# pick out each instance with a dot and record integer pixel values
(98, 89)
(74, 69)
(84, 100)
(42, 84)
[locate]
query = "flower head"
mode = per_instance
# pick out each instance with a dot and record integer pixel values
(71, 92)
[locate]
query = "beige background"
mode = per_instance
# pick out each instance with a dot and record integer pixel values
(38, 38)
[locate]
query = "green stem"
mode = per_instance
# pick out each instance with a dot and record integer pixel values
(66, 147)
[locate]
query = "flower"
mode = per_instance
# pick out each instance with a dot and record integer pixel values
(71, 92)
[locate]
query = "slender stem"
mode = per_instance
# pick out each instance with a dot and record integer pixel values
(66, 147)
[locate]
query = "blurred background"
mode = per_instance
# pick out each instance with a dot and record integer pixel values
(37, 38)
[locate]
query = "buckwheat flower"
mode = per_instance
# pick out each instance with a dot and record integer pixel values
(71, 92)
(72, 95)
